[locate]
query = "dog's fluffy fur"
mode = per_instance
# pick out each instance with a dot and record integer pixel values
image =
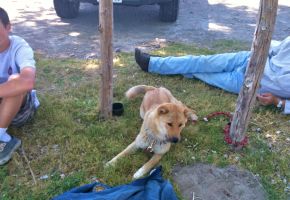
(163, 119)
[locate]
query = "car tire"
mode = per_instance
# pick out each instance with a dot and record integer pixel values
(169, 11)
(67, 8)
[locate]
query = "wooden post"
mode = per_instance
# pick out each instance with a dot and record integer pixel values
(106, 58)
(260, 48)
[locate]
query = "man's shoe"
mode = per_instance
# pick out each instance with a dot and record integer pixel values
(142, 59)
(7, 149)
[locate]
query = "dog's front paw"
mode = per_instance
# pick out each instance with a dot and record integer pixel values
(139, 173)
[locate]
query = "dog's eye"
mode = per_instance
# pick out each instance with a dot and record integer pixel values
(179, 125)
(169, 124)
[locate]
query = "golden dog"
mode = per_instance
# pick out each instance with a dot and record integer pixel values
(164, 117)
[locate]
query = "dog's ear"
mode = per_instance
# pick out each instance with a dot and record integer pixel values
(190, 114)
(163, 110)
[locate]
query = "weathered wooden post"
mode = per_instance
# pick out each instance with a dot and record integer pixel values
(260, 48)
(106, 58)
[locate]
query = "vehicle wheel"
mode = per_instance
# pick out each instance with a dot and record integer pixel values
(169, 11)
(67, 8)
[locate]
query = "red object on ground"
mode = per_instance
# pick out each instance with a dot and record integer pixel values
(226, 129)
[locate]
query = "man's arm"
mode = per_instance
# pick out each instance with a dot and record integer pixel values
(269, 99)
(18, 83)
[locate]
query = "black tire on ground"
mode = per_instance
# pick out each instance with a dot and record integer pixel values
(67, 8)
(169, 11)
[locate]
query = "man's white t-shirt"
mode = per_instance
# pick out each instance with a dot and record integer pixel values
(15, 58)
(18, 56)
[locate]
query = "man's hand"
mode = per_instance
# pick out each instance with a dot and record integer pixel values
(267, 99)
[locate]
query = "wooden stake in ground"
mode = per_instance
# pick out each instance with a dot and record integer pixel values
(106, 60)
(260, 48)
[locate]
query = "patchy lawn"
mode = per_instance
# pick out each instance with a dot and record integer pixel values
(68, 143)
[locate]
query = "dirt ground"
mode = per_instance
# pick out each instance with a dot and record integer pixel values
(199, 22)
(207, 182)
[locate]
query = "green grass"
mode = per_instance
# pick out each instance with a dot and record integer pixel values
(67, 137)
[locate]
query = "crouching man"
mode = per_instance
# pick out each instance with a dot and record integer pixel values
(18, 101)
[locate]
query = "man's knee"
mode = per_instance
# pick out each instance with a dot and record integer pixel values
(13, 76)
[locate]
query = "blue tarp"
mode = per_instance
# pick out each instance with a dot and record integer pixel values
(152, 187)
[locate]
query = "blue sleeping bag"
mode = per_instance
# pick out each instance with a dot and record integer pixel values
(152, 187)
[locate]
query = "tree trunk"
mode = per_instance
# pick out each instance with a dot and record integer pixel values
(255, 69)
(106, 59)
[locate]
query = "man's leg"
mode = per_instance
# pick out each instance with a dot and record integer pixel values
(228, 81)
(9, 107)
(226, 62)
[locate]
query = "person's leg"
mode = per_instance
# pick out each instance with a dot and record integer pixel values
(226, 62)
(9, 107)
(228, 81)
(27, 110)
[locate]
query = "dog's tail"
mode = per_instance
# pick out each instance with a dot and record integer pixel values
(138, 89)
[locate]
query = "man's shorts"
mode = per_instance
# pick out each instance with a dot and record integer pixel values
(26, 112)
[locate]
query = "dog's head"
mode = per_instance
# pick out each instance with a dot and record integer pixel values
(171, 119)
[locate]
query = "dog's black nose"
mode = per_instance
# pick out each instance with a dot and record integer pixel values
(174, 139)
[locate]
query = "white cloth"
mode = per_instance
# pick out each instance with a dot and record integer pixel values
(4, 136)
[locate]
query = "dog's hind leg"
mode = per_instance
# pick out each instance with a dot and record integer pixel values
(148, 166)
(130, 149)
